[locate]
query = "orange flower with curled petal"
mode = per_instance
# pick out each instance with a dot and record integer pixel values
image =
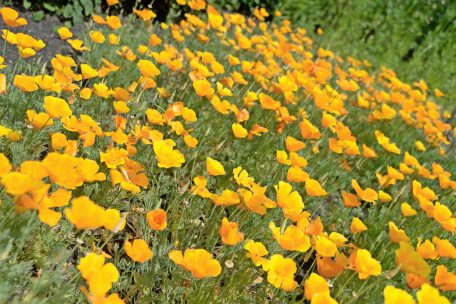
(26, 52)
(260, 13)
(16, 183)
(130, 176)
(31, 199)
(415, 281)
(442, 213)
(293, 144)
(427, 250)
(444, 279)
(438, 93)
(113, 22)
(239, 131)
(11, 17)
(281, 272)
(386, 143)
(297, 160)
(10, 134)
(410, 261)
(222, 91)
(88, 72)
(199, 187)
(85, 214)
(348, 85)
(112, 2)
(154, 117)
(189, 115)
(256, 201)
(323, 298)
(268, 103)
(315, 227)
(38, 120)
(5, 166)
(444, 248)
(118, 137)
(393, 295)
(198, 261)
(156, 219)
(287, 199)
(313, 188)
(297, 175)
(363, 263)
(167, 157)
(197, 4)
(357, 226)
(25, 83)
(227, 198)
(256, 130)
(203, 88)
(229, 232)
(385, 113)
(214, 167)
(138, 250)
(114, 221)
(113, 39)
(34, 169)
(315, 284)
(368, 152)
(216, 22)
(384, 197)
(325, 247)
(48, 83)
(64, 33)
(98, 275)
(292, 238)
(114, 157)
(287, 84)
(328, 121)
(308, 130)
(428, 294)
(282, 157)
(56, 107)
(403, 168)
(368, 194)
(256, 252)
(394, 174)
(221, 106)
(407, 210)
(147, 68)
(397, 235)
(329, 267)
(97, 37)
(350, 200)
(154, 40)
(338, 238)
(118, 177)
(78, 45)
(58, 198)
(241, 176)
(2, 80)
(410, 160)
(243, 41)
(71, 172)
(145, 14)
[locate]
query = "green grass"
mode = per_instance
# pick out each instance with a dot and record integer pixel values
(415, 38)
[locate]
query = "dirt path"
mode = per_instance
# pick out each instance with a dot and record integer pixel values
(46, 29)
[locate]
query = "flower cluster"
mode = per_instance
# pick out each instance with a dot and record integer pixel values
(232, 147)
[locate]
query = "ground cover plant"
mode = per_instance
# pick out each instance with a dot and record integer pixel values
(219, 158)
